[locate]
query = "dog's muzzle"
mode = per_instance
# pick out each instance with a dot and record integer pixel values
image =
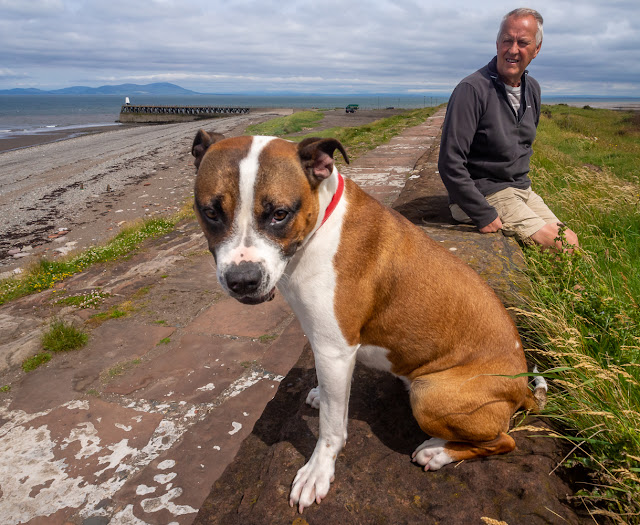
(245, 283)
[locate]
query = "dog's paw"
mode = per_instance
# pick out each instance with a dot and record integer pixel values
(431, 454)
(311, 483)
(313, 398)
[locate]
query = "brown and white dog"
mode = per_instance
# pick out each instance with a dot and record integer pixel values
(364, 283)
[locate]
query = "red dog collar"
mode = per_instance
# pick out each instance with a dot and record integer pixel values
(334, 200)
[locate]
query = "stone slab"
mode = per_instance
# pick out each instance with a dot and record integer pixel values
(229, 317)
(375, 480)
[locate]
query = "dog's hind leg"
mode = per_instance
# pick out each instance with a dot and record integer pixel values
(435, 453)
(467, 417)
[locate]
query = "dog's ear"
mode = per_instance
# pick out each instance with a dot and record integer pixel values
(316, 157)
(201, 144)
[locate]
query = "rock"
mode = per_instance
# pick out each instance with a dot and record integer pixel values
(376, 482)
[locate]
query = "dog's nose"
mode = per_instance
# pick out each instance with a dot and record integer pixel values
(244, 278)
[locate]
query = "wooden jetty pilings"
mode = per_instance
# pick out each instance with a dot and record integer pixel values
(143, 114)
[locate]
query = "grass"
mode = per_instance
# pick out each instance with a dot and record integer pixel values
(33, 362)
(282, 126)
(360, 139)
(47, 273)
(121, 310)
(61, 337)
(582, 316)
(120, 369)
(357, 140)
(92, 299)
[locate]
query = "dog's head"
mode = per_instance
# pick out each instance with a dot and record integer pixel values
(257, 200)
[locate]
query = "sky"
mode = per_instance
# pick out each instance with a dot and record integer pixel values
(591, 47)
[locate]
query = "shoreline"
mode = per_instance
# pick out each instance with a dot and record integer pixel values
(16, 141)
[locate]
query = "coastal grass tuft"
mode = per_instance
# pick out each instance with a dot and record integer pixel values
(63, 337)
(581, 314)
(60, 337)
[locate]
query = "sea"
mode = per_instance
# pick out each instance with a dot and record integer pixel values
(28, 116)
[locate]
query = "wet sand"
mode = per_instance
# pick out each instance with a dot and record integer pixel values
(18, 141)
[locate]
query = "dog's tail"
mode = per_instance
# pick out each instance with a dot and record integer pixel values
(536, 399)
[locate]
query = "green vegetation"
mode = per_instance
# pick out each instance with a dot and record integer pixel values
(360, 139)
(121, 368)
(121, 310)
(357, 140)
(33, 362)
(582, 316)
(282, 126)
(61, 337)
(164, 341)
(92, 299)
(46, 273)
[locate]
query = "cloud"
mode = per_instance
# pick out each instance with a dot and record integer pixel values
(247, 45)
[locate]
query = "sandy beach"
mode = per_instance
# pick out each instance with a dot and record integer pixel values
(69, 194)
(18, 141)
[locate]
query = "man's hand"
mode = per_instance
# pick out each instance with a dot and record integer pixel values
(492, 227)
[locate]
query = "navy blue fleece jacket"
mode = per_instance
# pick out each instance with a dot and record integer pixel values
(485, 146)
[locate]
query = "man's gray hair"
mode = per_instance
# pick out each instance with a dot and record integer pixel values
(520, 13)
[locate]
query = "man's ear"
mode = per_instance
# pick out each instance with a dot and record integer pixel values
(537, 50)
(201, 144)
(316, 157)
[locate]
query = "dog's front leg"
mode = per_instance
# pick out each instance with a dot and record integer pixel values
(334, 369)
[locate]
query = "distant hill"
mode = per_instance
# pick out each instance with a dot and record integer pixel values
(158, 88)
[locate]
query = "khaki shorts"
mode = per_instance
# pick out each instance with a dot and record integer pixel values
(522, 212)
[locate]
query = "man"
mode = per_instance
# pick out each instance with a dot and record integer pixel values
(487, 135)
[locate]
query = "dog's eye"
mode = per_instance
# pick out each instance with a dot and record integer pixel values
(211, 214)
(279, 216)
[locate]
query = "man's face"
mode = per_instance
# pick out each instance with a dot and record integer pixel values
(516, 48)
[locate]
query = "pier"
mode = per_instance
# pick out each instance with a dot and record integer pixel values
(161, 114)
